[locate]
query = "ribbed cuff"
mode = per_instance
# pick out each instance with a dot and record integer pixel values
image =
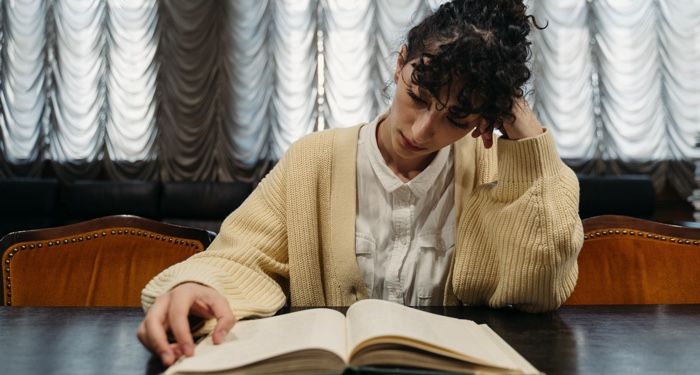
(526, 160)
(175, 276)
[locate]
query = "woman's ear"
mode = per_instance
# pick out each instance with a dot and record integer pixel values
(400, 62)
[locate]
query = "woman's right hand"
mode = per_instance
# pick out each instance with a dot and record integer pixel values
(169, 312)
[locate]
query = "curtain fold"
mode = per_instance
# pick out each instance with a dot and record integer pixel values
(180, 90)
(192, 89)
(24, 76)
(130, 123)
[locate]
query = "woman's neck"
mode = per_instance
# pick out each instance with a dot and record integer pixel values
(404, 168)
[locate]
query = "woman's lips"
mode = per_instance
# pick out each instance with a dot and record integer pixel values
(409, 145)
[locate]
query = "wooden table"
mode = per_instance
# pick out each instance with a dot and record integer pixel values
(631, 339)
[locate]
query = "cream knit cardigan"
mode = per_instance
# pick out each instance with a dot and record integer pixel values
(293, 239)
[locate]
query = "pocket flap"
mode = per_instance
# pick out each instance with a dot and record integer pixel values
(439, 241)
(364, 244)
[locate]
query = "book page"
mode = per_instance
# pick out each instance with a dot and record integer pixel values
(251, 341)
(370, 320)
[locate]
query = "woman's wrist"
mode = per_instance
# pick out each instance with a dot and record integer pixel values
(525, 125)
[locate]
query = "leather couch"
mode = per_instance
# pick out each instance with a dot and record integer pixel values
(38, 203)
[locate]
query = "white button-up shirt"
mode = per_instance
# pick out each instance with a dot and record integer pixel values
(403, 230)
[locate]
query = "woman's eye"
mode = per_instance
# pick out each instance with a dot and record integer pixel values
(416, 99)
(459, 124)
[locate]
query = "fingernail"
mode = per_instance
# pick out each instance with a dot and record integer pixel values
(220, 335)
(166, 358)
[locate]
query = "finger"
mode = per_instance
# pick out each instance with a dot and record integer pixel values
(141, 334)
(487, 134)
(177, 317)
(487, 138)
(154, 325)
(502, 129)
(177, 352)
(225, 319)
(480, 128)
(484, 127)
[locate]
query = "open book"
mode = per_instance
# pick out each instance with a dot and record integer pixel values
(373, 333)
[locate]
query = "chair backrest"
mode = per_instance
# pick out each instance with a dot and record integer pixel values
(100, 262)
(626, 260)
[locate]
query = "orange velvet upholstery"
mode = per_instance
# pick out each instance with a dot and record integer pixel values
(101, 262)
(626, 260)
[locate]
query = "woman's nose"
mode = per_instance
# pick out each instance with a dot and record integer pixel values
(424, 127)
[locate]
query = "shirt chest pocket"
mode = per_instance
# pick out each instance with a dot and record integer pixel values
(434, 258)
(365, 253)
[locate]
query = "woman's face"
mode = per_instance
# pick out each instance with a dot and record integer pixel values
(417, 128)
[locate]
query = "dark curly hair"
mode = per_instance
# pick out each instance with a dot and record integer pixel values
(481, 44)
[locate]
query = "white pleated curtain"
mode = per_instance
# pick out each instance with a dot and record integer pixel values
(209, 89)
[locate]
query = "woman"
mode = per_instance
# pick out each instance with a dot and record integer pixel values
(405, 208)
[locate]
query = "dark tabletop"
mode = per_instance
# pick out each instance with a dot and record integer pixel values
(631, 339)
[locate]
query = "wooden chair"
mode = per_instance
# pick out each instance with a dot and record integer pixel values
(625, 260)
(100, 262)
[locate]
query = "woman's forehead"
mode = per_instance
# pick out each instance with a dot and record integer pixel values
(448, 93)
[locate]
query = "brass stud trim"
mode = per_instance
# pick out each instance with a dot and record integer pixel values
(605, 232)
(152, 235)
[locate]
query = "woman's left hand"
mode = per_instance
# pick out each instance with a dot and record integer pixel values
(525, 125)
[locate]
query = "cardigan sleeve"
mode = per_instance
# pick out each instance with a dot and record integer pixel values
(522, 232)
(248, 260)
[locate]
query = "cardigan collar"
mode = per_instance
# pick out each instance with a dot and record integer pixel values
(344, 201)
